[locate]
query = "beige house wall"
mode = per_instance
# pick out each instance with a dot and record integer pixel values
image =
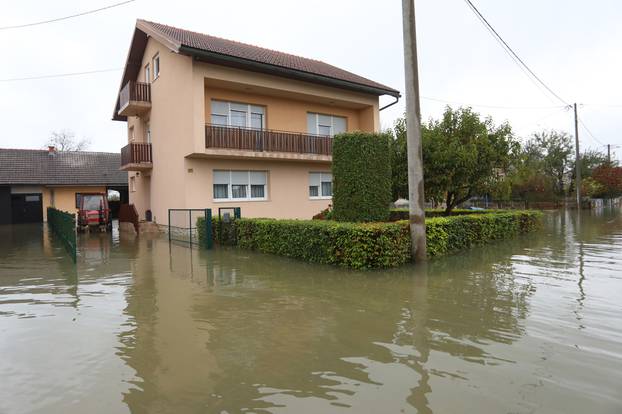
(64, 198)
(181, 97)
(287, 187)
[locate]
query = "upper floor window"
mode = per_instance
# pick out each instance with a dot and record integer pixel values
(330, 125)
(147, 74)
(238, 114)
(320, 185)
(156, 67)
(240, 185)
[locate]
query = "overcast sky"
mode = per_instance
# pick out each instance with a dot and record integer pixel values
(573, 45)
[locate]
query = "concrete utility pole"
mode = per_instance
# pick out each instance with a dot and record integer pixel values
(609, 154)
(577, 158)
(413, 134)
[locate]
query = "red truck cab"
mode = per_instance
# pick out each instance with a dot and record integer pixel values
(93, 212)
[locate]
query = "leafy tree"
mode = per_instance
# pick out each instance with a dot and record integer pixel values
(552, 151)
(464, 156)
(610, 178)
(65, 140)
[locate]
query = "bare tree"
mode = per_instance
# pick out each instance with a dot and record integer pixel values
(65, 140)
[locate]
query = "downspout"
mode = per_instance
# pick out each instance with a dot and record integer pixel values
(397, 98)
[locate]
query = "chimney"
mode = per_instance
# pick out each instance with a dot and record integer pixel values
(51, 150)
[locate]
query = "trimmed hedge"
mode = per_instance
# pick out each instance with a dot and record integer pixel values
(361, 177)
(355, 245)
(397, 214)
(448, 234)
(374, 245)
(228, 236)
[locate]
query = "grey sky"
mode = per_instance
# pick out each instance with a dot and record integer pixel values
(574, 46)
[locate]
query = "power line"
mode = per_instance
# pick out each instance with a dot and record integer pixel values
(58, 19)
(590, 132)
(491, 106)
(511, 52)
(59, 75)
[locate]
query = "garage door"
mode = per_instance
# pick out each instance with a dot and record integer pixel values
(26, 208)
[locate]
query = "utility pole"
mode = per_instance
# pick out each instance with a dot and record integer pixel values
(413, 134)
(609, 154)
(577, 158)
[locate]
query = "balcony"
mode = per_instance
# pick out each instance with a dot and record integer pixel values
(134, 99)
(136, 157)
(238, 142)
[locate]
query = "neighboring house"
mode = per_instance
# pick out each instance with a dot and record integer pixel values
(216, 123)
(32, 180)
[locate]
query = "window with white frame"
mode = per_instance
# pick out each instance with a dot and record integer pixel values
(320, 124)
(238, 114)
(132, 184)
(240, 185)
(156, 66)
(320, 185)
(147, 74)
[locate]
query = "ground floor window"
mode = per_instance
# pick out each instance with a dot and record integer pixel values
(240, 185)
(320, 185)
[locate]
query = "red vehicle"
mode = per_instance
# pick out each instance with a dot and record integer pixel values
(94, 212)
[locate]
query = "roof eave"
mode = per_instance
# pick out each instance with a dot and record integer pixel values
(227, 60)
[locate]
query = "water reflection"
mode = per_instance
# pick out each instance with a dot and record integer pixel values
(521, 326)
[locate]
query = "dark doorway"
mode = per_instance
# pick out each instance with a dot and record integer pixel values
(26, 208)
(5, 205)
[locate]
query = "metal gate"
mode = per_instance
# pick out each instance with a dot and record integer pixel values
(183, 227)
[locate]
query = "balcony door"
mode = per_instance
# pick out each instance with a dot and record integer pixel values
(240, 115)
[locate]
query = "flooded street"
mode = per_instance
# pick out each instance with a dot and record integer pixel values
(532, 325)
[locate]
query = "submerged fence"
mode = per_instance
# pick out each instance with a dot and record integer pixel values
(183, 226)
(64, 226)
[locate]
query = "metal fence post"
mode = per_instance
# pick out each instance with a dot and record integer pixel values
(209, 242)
(169, 225)
(190, 227)
(237, 212)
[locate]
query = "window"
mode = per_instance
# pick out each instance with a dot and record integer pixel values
(238, 115)
(320, 185)
(78, 199)
(131, 133)
(147, 74)
(330, 125)
(148, 133)
(240, 185)
(132, 184)
(31, 198)
(156, 67)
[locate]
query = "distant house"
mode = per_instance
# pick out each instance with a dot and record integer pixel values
(218, 123)
(32, 180)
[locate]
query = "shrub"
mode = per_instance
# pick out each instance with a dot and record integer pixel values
(355, 245)
(326, 214)
(397, 214)
(228, 236)
(361, 177)
(448, 234)
(372, 245)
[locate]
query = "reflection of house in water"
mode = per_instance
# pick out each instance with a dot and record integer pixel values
(235, 329)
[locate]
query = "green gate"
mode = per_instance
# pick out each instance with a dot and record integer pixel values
(188, 225)
(63, 224)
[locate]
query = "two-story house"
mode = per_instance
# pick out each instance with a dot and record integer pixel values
(217, 123)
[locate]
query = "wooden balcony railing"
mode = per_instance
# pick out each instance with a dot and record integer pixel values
(136, 153)
(134, 92)
(268, 140)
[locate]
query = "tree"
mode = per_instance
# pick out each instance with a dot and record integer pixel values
(553, 150)
(65, 140)
(610, 178)
(464, 156)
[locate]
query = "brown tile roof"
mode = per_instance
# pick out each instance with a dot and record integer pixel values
(21, 166)
(185, 38)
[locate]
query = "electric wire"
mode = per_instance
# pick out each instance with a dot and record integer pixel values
(511, 52)
(58, 19)
(60, 75)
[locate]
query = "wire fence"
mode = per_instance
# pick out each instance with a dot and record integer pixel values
(182, 224)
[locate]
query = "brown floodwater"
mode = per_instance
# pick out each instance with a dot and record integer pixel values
(531, 325)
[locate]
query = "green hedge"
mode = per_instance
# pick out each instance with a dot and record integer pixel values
(448, 234)
(229, 233)
(355, 245)
(373, 245)
(361, 177)
(397, 214)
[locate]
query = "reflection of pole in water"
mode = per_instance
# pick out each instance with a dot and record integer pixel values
(420, 340)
